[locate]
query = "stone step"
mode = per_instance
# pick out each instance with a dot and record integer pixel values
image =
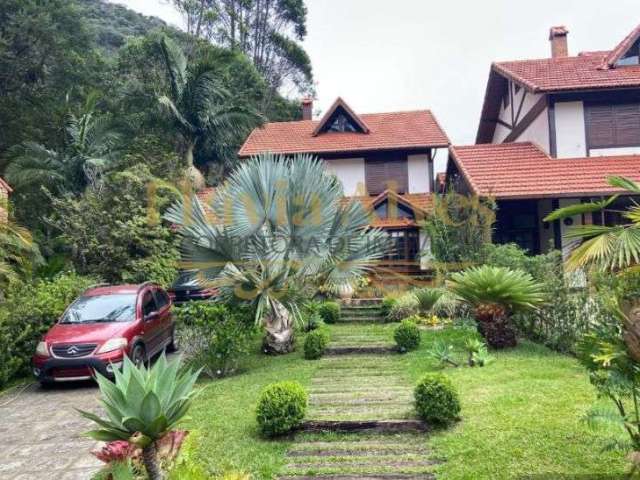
(378, 426)
(350, 451)
(363, 350)
(365, 476)
(374, 462)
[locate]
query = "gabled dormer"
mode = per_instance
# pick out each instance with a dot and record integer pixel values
(340, 118)
(626, 53)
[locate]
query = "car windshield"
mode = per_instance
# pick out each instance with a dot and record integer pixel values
(101, 308)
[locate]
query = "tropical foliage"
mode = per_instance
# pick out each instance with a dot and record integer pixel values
(605, 247)
(143, 405)
(282, 229)
(495, 293)
(459, 227)
(200, 106)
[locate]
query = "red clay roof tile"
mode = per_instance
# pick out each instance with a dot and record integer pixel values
(5, 186)
(388, 131)
(523, 170)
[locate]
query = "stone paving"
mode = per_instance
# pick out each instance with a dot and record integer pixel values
(360, 389)
(41, 433)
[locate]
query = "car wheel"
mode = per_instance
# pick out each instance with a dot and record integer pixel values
(138, 356)
(173, 344)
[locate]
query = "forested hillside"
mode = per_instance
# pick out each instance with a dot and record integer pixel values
(106, 114)
(112, 24)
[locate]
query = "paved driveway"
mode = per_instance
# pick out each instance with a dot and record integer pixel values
(41, 433)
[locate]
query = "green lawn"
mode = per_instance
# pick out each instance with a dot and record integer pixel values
(520, 414)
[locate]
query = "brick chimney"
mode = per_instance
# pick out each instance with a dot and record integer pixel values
(307, 108)
(558, 39)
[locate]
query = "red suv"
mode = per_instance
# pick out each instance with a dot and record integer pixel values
(100, 327)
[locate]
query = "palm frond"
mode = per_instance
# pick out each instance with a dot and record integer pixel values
(579, 209)
(176, 65)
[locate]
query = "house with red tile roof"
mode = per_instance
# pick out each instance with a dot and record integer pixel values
(551, 130)
(383, 160)
(5, 190)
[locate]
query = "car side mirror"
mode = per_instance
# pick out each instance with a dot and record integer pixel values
(151, 316)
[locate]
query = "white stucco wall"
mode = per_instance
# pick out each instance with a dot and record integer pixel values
(599, 152)
(350, 171)
(418, 173)
(570, 130)
(538, 131)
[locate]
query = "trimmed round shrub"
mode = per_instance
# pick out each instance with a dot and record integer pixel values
(436, 399)
(330, 312)
(315, 344)
(281, 408)
(407, 336)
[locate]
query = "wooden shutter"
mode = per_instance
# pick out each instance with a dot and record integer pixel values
(384, 173)
(616, 125)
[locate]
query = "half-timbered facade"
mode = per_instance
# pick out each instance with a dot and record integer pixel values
(384, 160)
(550, 132)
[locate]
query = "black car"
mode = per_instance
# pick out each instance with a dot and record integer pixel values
(186, 289)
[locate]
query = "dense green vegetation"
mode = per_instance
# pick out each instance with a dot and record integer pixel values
(521, 414)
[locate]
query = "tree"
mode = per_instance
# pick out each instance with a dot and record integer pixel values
(458, 228)
(605, 247)
(200, 107)
(282, 230)
(267, 31)
(114, 232)
(18, 253)
(88, 151)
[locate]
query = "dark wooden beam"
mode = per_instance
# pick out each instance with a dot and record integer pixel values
(553, 146)
(557, 228)
(527, 120)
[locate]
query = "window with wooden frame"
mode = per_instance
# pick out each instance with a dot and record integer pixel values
(612, 125)
(406, 244)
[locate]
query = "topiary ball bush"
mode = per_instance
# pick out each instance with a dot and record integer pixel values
(407, 336)
(330, 312)
(315, 343)
(436, 399)
(281, 408)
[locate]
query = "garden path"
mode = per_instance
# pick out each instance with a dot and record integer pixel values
(369, 393)
(42, 433)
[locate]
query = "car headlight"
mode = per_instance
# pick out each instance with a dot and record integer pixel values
(113, 344)
(42, 349)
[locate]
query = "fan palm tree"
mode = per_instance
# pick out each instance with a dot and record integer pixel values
(201, 107)
(282, 227)
(89, 148)
(610, 248)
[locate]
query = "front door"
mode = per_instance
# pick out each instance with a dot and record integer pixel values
(405, 255)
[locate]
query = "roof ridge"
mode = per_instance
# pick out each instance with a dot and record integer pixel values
(619, 50)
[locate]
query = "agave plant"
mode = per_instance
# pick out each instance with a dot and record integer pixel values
(143, 405)
(495, 293)
(281, 227)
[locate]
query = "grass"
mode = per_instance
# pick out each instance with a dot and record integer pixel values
(224, 416)
(520, 414)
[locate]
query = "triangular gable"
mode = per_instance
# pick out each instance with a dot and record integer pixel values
(340, 111)
(418, 212)
(621, 49)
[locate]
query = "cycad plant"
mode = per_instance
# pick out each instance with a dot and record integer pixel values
(281, 231)
(200, 107)
(495, 293)
(143, 405)
(428, 298)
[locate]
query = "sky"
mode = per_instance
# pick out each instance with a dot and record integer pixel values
(398, 55)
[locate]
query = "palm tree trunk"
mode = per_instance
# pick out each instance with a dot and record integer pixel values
(193, 174)
(150, 460)
(279, 338)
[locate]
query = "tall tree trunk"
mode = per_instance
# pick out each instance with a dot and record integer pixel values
(191, 171)
(279, 336)
(151, 464)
